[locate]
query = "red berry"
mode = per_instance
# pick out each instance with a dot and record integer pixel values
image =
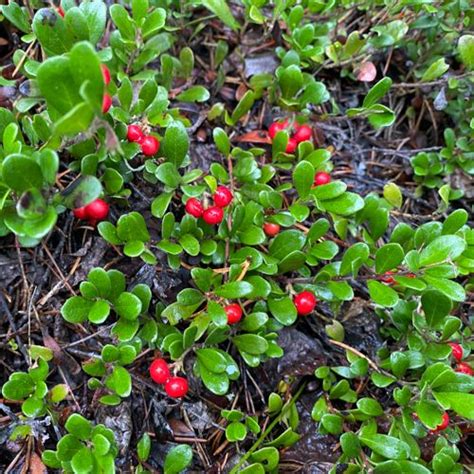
(223, 196)
(176, 387)
(456, 351)
(303, 133)
(464, 368)
(80, 213)
(276, 127)
(97, 210)
(105, 74)
(213, 215)
(305, 302)
(271, 229)
(233, 312)
(291, 145)
(194, 207)
(386, 278)
(106, 103)
(150, 145)
(411, 275)
(159, 371)
(134, 133)
(443, 425)
(60, 11)
(322, 178)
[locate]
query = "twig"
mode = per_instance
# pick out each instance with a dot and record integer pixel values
(356, 352)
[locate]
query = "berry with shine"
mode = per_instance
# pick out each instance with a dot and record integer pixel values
(223, 196)
(150, 145)
(194, 207)
(233, 312)
(276, 127)
(443, 425)
(106, 103)
(80, 213)
(105, 74)
(387, 278)
(97, 210)
(305, 302)
(176, 387)
(159, 371)
(134, 133)
(271, 229)
(303, 133)
(322, 178)
(464, 368)
(213, 215)
(291, 145)
(456, 351)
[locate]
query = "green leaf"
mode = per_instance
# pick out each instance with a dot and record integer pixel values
(221, 9)
(377, 92)
(212, 359)
(82, 462)
(221, 140)
(466, 51)
(450, 288)
(17, 16)
(445, 247)
(120, 381)
(235, 431)
(21, 173)
(354, 257)
(290, 81)
(178, 459)
(393, 195)
(81, 192)
(122, 21)
(175, 143)
(387, 446)
(76, 309)
(128, 306)
(168, 174)
(131, 227)
(234, 289)
(388, 257)
(436, 307)
(244, 105)
(429, 413)
(160, 204)
(51, 31)
(435, 70)
(344, 205)
(381, 294)
(370, 407)
(154, 22)
(144, 447)
(215, 382)
(18, 387)
(194, 94)
(283, 310)
(101, 444)
(285, 243)
(99, 312)
(95, 13)
(78, 426)
(303, 178)
(250, 343)
(461, 403)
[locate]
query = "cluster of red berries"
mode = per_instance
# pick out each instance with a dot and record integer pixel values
(458, 354)
(302, 133)
(94, 212)
(148, 143)
(305, 302)
(175, 387)
(213, 214)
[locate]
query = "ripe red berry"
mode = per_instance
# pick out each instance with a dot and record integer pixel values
(321, 178)
(456, 351)
(159, 371)
(443, 425)
(176, 387)
(223, 196)
(291, 145)
(303, 133)
(464, 368)
(271, 229)
(194, 207)
(106, 103)
(276, 127)
(80, 213)
(134, 133)
(105, 74)
(150, 145)
(233, 312)
(386, 278)
(97, 210)
(213, 215)
(305, 302)
(60, 11)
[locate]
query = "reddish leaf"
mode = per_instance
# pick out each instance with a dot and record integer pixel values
(256, 136)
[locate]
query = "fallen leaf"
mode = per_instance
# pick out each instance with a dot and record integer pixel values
(36, 465)
(256, 136)
(367, 72)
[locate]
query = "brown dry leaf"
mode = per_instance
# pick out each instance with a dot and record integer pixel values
(256, 136)
(367, 72)
(36, 465)
(240, 92)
